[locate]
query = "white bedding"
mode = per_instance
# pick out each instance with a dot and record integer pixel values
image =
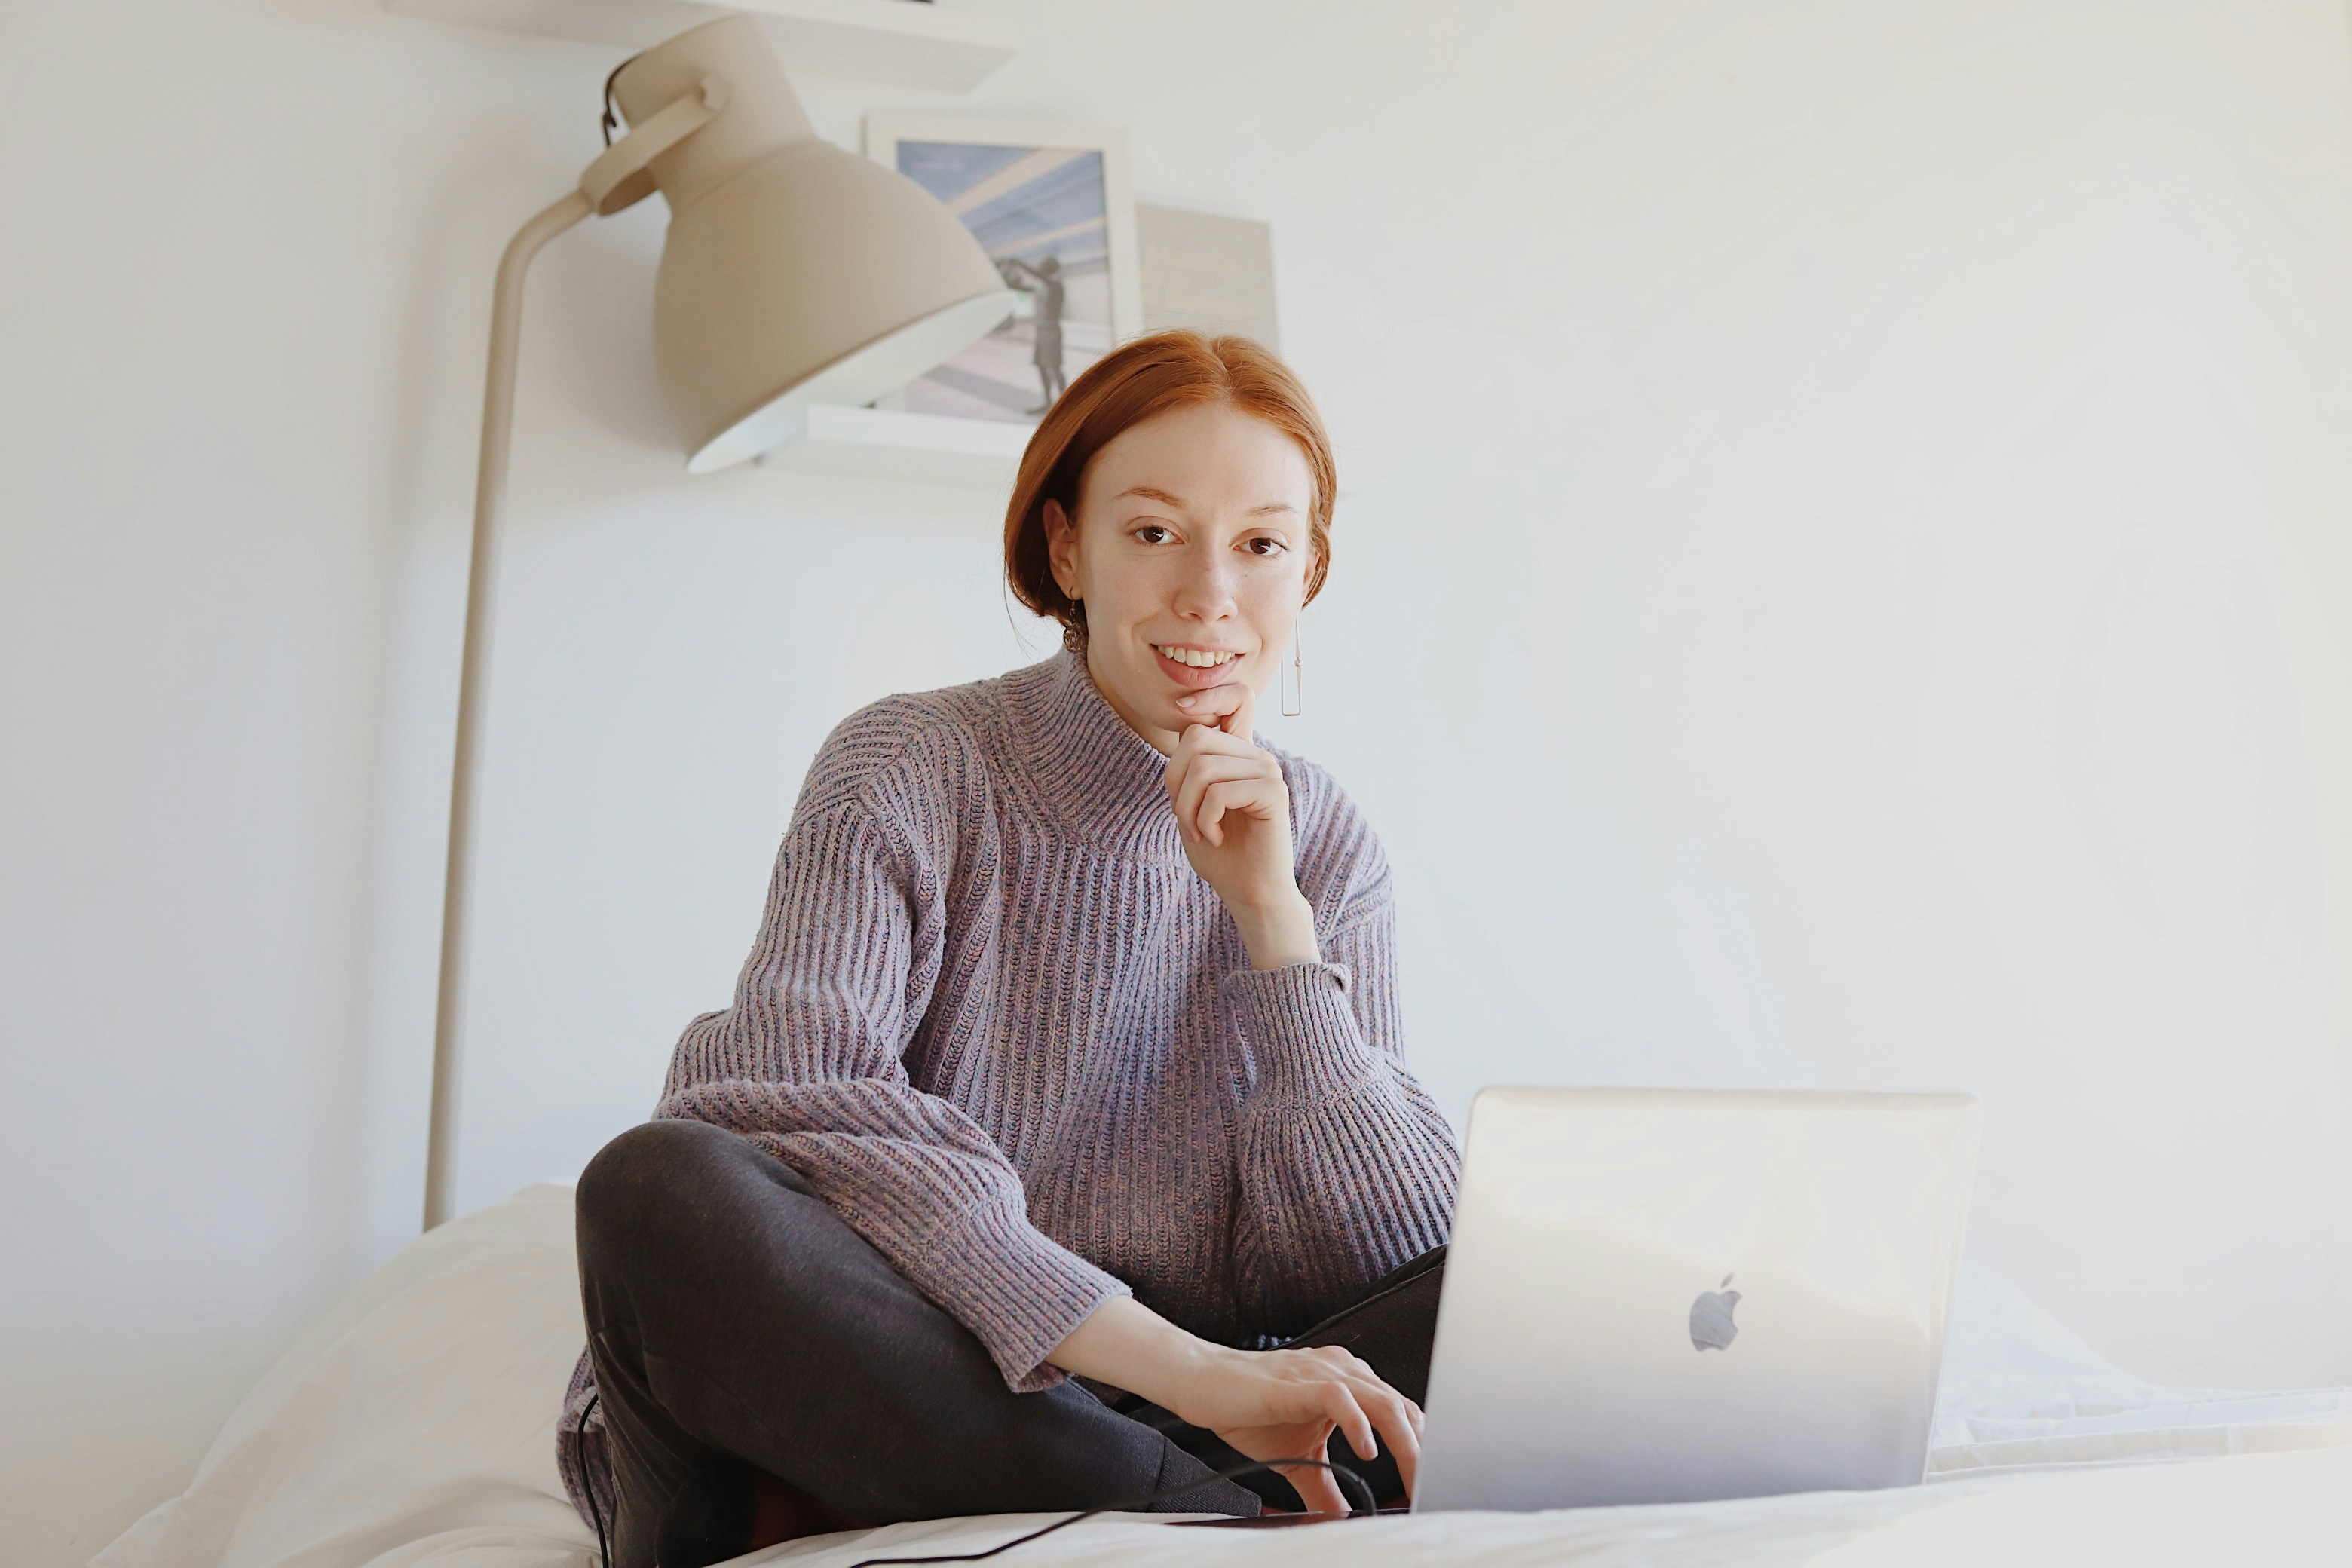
(414, 1424)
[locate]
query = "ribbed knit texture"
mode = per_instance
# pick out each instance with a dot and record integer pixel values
(1006, 1031)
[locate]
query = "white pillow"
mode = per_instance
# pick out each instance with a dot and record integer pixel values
(2021, 1391)
(414, 1423)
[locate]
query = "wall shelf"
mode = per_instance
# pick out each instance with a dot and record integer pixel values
(921, 448)
(895, 43)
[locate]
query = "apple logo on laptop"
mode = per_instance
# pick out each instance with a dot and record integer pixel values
(1711, 1326)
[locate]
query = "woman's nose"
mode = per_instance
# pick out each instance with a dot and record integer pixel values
(1206, 592)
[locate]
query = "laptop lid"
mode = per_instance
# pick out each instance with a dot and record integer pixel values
(1667, 1295)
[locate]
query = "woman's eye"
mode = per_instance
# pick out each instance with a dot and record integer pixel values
(1266, 547)
(1152, 533)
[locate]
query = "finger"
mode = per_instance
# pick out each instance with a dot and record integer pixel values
(1223, 778)
(1187, 779)
(1246, 798)
(1243, 719)
(1194, 740)
(1399, 1418)
(1232, 797)
(1206, 738)
(1209, 769)
(1211, 703)
(1339, 1408)
(1319, 1489)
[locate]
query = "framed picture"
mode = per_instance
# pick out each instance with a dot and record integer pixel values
(1050, 205)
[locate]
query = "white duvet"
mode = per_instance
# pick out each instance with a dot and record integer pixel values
(414, 1424)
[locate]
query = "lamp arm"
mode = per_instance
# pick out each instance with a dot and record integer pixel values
(481, 586)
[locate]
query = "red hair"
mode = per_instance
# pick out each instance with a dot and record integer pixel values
(1134, 381)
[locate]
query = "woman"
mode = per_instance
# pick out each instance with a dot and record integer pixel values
(1059, 1147)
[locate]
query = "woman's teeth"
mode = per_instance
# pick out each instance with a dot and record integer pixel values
(1194, 656)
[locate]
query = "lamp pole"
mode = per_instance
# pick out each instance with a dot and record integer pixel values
(615, 180)
(481, 597)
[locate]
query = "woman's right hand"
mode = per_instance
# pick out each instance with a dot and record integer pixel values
(1268, 1404)
(1285, 1404)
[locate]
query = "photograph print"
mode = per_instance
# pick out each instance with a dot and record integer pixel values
(1050, 206)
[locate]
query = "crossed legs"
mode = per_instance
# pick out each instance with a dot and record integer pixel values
(753, 1351)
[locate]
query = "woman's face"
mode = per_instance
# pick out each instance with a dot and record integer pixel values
(1191, 552)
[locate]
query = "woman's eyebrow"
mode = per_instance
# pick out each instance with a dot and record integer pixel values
(1165, 498)
(1148, 493)
(1151, 493)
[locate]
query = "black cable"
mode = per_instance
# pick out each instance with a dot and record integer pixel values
(588, 1480)
(611, 122)
(1371, 1505)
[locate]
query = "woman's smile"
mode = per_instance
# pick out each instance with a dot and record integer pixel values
(1195, 667)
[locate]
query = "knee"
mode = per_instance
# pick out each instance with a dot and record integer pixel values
(640, 1174)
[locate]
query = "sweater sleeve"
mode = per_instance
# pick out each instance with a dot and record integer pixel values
(807, 1064)
(1347, 1167)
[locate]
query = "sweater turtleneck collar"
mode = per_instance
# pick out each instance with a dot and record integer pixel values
(1100, 777)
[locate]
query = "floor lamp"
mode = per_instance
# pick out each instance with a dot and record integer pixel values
(793, 273)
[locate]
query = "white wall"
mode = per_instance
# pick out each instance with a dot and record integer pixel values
(1836, 585)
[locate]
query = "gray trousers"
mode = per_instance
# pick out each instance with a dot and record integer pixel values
(759, 1363)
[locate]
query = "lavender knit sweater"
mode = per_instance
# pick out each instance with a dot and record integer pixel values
(1001, 1027)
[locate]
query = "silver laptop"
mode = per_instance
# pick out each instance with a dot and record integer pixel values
(1665, 1296)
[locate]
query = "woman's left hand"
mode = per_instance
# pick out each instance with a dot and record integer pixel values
(1232, 814)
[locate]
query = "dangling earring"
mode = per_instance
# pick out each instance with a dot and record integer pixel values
(1294, 680)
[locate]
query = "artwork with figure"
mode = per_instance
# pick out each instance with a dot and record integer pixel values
(1041, 215)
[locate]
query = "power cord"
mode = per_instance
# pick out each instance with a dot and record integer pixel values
(610, 119)
(1371, 1504)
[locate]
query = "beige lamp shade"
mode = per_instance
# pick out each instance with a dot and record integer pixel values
(794, 272)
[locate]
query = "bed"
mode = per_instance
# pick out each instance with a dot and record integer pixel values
(414, 1424)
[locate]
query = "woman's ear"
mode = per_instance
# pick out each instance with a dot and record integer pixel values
(1062, 548)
